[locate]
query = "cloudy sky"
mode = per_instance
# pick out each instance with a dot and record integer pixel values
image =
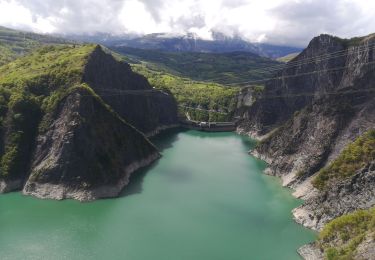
(287, 22)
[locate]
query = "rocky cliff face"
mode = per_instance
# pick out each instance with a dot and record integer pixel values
(327, 65)
(129, 94)
(88, 152)
(345, 196)
(67, 128)
(315, 107)
(322, 101)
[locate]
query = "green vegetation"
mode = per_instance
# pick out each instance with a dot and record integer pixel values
(46, 69)
(340, 238)
(222, 68)
(193, 97)
(14, 44)
(288, 57)
(355, 41)
(197, 80)
(30, 89)
(354, 157)
(22, 120)
(202, 101)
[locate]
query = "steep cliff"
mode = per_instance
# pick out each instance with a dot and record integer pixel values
(122, 89)
(345, 185)
(307, 116)
(326, 66)
(315, 106)
(87, 152)
(60, 139)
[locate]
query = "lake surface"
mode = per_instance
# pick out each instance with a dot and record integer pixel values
(205, 199)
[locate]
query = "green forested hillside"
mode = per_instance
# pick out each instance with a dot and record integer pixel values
(202, 101)
(340, 238)
(15, 43)
(223, 68)
(197, 80)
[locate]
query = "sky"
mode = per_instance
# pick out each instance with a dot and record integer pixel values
(283, 22)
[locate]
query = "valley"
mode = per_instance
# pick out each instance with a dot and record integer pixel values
(78, 120)
(232, 68)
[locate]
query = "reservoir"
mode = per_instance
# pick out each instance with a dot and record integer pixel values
(205, 199)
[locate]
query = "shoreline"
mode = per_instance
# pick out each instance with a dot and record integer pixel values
(300, 215)
(62, 191)
(9, 186)
(161, 129)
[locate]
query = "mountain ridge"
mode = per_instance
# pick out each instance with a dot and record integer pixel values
(188, 43)
(308, 117)
(75, 144)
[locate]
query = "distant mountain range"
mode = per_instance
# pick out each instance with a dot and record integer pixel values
(14, 43)
(223, 68)
(188, 43)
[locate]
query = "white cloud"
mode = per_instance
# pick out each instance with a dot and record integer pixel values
(292, 22)
(136, 18)
(14, 14)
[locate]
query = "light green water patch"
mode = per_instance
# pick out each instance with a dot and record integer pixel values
(206, 198)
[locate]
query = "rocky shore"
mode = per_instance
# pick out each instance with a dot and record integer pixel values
(61, 191)
(7, 186)
(310, 252)
(74, 141)
(302, 130)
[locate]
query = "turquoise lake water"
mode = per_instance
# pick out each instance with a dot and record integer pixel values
(205, 199)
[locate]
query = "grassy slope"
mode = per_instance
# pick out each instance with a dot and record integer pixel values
(14, 44)
(51, 61)
(354, 157)
(220, 100)
(340, 238)
(223, 68)
(288, 57)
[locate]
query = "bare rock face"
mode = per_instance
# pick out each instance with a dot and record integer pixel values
(366, 250)
(316, 135)
(310, 252)
(322, 101)
(88, 152)
(344, 197)
(318, 109)
(10, 185)
(328, 64)
(129, 94)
